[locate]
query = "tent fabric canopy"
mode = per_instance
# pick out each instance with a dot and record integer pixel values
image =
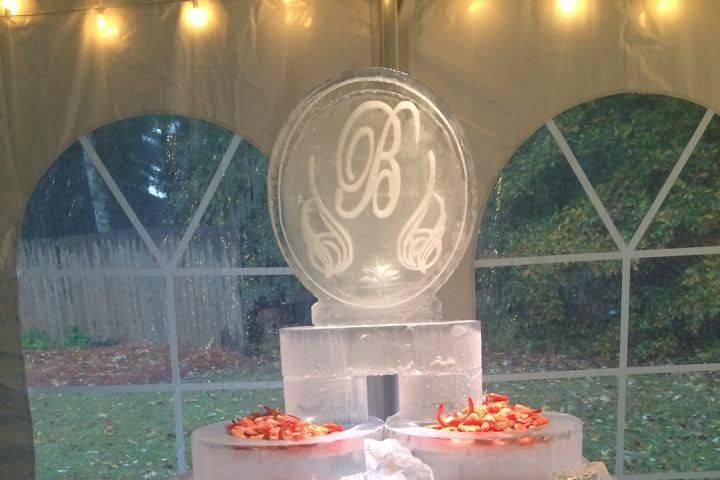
(504, 68)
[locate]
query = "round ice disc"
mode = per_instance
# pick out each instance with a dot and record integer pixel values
(371, 190)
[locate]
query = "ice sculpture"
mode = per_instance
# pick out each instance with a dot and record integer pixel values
(372, 197)
(373, 202)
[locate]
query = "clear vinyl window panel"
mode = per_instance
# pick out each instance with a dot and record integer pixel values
(151, 293)
(597, 255)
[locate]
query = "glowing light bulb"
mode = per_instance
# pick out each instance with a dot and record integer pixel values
(101, 22)
(297, 13)
(11, 6)
(666, 6)
(474, 6)
(196, 15)
(568, 7)
(105, 26)
(642, 19)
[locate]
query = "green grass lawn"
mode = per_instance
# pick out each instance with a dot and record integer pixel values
(672, 424)
(113, 436)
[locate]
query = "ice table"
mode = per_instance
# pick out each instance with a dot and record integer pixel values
(519, 455)
(219, 456)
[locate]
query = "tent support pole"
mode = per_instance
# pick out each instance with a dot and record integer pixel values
(389, 33)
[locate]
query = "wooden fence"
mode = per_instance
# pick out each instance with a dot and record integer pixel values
(130, 308)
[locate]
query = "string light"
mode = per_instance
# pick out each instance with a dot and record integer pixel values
(571, 9)
(568, 7)
(105, 26)
(101, 22)
(196, 15)
(474, 6)
(11, 7)
(297, 13)
(666, 6)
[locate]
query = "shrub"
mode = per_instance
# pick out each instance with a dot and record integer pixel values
(36, 340)
(77, 338)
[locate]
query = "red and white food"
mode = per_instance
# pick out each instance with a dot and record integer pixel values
(495, 414)
(276, 425)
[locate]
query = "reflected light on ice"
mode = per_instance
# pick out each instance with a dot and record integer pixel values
(380, 273)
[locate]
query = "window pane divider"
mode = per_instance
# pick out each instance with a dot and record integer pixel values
(155, 272)
(672, 178)
(175, 373)
(585, 182)
(622, 375)
(122, 201)
(286, 271)
(205, 201)
(277, 384)
(232, 271)
(595, 257)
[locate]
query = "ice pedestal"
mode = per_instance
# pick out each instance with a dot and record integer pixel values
(219, 456)
(519, 455)
(337, 399)
(325, 368)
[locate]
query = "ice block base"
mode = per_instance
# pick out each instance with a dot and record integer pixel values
(219, 456)
(325, 368)
(528, 455)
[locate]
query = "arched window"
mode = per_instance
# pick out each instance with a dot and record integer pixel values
(151, 291)
(598, 272)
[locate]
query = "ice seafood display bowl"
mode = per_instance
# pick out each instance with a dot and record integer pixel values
(219, 456)
(517, 455)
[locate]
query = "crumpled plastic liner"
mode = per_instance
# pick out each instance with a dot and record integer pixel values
(388, 460)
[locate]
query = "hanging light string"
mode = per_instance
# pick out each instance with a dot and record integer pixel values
(196, 15)
(297, 13)
(9, 12)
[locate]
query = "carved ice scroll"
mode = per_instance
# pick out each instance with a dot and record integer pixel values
(367, 179)
(419, 247)
(330, 250)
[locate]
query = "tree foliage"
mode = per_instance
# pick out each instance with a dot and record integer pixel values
(627, 145)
